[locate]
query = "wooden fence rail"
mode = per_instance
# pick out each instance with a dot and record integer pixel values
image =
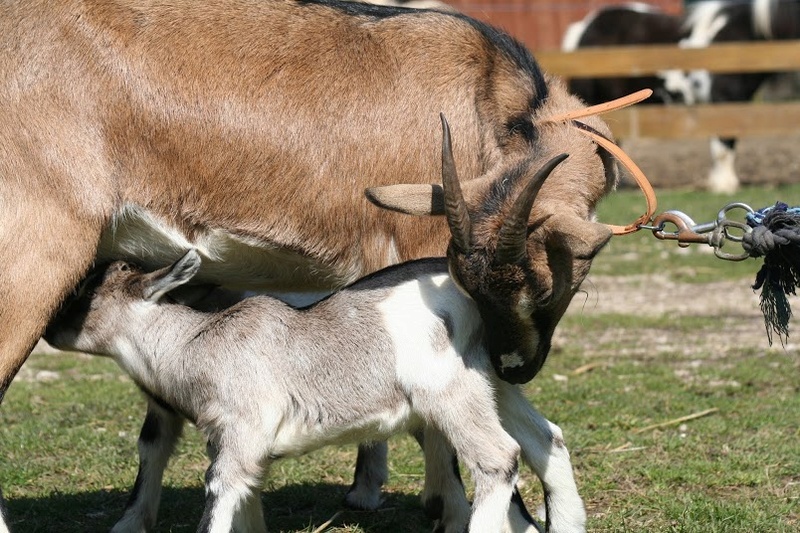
(679, 121)
(703, 121)
(767, 56)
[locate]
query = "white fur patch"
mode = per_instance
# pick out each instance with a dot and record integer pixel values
(762, 18)
(511, 360)
(137, 235)
(700, 85)
(705, 22)
(676, 82)
(572, 37)
(412, 324)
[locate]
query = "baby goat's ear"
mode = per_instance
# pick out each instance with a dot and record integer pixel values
(160, 282)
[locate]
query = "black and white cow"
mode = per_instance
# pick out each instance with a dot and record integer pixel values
(628, 24)
(729, 21)
(705, 23)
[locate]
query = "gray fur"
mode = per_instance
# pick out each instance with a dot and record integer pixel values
(263, 380)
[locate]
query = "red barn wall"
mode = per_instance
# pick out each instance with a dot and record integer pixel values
(541, 23)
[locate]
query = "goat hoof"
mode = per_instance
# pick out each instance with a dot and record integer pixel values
(363, 500)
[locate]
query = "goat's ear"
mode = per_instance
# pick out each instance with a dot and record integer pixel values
(582, 238)
(160, 282)
(420, 200)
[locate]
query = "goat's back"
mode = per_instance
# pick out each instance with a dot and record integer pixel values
(290, 103)
(356, 354)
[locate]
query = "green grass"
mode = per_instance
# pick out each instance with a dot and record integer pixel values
(737, 469)
(71, 454)
(69, 444)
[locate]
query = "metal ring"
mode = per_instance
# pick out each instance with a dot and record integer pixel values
(722, 215)
(725, 224)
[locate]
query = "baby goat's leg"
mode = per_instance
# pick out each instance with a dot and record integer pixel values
(232, 490)
(492, 458)
(468, 418)
(251, 517)
(371, 474)
(160, 431)
(443, 496)
(543, 448)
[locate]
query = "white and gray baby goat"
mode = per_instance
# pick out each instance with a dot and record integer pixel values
(404, 349)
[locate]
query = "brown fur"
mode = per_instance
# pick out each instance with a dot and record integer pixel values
(263, 122)
(232, 116)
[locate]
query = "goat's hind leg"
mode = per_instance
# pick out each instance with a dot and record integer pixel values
(443, 496)
(370, 475)
(544, 450)
(160, 432)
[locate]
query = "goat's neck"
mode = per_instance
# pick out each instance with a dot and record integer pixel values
(162, 331)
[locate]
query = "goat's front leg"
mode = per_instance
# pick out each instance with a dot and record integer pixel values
(233, 482)
(160, 432)
(371, 473)
(492, 458)
(443, 495)
(544, 450)
(467, 416)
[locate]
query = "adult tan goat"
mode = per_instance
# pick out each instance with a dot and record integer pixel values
(249, 130)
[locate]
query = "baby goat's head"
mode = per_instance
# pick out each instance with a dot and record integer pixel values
(521, 263)
(111, 300)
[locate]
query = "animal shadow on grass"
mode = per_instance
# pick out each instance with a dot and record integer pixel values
(299, 507)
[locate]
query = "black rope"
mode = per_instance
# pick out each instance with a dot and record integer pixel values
(776, 238)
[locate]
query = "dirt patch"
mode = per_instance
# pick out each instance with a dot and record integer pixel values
(729, 310)
(685, 163)
(657, 295)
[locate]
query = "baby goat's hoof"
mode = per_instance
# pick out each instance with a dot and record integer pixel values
(450, 516)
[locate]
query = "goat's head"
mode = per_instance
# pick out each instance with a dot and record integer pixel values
(519, 254)
(110, 300)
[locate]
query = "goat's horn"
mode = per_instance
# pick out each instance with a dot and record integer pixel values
(514, 233)
(454, 205)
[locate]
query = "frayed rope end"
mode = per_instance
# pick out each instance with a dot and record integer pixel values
(776, 237)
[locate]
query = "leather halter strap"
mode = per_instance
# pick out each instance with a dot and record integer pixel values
(612, 148)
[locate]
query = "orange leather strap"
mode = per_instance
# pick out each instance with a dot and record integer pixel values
(636, 173)
(605, 107)
(616, 151)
